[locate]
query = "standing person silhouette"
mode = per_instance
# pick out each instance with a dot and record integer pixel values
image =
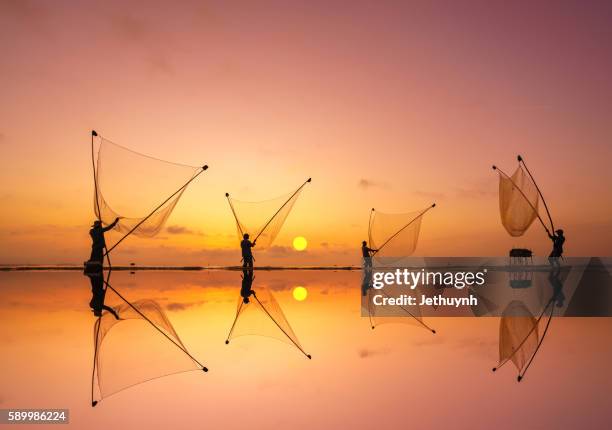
(247, 254)
(367, 254)
(558, 240)
(97, 240)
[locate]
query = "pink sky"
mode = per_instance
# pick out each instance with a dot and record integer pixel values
(385, 105)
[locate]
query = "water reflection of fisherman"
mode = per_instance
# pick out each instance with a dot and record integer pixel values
(366, 283)
(247, 283)
(98, 293)
(554, 278)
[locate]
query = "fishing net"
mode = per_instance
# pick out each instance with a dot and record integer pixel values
(263, 220)
(518, 335)
(131, 350)
(483, 305)
(262, 316)
(395, 236)
(518, 201)
(130, 186)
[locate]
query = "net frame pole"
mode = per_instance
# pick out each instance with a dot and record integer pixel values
(368, 283)
(202, 169)
(281, 329)
(413, 316)
(370, 315)
(110, 266)
(95, 175)
(524, 196)
(370, 227)
(227, 196)
(404, 227)
(520, 345)
(95, 360)
(521, 375)
(522, 161)
(98, 322)
(234, 323)
(97, 201)
(281, 208)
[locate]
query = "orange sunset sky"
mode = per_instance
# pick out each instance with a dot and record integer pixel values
(392, 105)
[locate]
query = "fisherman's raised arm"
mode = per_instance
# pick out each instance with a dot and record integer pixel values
(111, 226)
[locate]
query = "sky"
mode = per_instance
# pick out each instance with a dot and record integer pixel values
(392, 105)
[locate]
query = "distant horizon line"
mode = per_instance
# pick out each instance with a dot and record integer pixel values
(71, 267)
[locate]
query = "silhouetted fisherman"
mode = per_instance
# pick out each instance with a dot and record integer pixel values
(247, 283)
(558, 240)
(97, 240)
(98, 294)
(247, 254)
(367, 254)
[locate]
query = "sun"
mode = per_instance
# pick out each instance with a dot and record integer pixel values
(300, 293)
(300, 243)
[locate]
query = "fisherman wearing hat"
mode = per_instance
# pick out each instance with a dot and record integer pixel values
(247, 253)
(558, 240)
(367, 254)
(97, 240)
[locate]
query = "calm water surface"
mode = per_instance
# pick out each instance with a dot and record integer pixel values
(395, 375)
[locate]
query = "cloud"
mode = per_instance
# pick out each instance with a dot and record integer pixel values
(161, 64)
(278, 284)
(429, 341)
(476, 344)
(23, 10)
(179, 229)
(474, 193)
(131, 28)
(46, 229)
(480, 188)
(147, 38)
(279, 250)
(176, 306)
(368, 183)
(366, 353)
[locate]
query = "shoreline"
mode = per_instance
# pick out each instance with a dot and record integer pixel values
(447, 264)
(31, 268)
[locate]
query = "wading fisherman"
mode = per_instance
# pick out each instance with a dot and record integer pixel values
(247, 254)
(367, 254)
(97, 240)
(558, 240)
